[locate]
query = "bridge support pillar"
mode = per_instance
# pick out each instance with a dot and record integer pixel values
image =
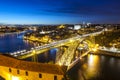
(34, 58)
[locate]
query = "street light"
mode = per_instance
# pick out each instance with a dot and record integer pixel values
(15, 78)
(60, 63)
(94, 49)
(71, 40)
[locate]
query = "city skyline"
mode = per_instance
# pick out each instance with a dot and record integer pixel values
(59, 11)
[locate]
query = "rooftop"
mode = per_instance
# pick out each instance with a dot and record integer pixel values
(31, 66)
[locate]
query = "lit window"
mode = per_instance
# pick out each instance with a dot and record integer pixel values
(40, 75)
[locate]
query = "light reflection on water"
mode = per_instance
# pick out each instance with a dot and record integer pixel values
(96, 67)
(92, 66)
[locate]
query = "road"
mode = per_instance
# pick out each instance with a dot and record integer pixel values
(68, 55)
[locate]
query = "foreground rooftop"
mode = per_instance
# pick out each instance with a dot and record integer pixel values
(8, 61)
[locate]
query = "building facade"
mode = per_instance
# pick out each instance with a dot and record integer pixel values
(15, 69)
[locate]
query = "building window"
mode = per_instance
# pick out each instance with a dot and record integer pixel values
(26, 73)
(10, 70)
(18, 72)
(40, 75)
(55, 77)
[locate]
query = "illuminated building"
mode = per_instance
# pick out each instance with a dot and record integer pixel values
(76, 27)
(14, 69)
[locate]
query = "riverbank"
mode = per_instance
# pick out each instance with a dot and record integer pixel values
(43, 39)
(109, 38)
(8, 33)
(12, 43)
(100, 52)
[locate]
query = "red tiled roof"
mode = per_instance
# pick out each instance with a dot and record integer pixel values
(31, 66)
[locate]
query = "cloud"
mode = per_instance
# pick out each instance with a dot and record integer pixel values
(82, 7)
(92, 9)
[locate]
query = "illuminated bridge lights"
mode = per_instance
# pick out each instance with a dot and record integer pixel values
(52, 44)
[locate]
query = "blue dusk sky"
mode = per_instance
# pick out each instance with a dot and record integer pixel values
(59, 11)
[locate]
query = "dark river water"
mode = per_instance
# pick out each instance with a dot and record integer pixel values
(13, 42)
(92, 67)
(96, 67)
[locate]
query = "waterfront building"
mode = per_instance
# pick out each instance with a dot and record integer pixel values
(14, 69)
